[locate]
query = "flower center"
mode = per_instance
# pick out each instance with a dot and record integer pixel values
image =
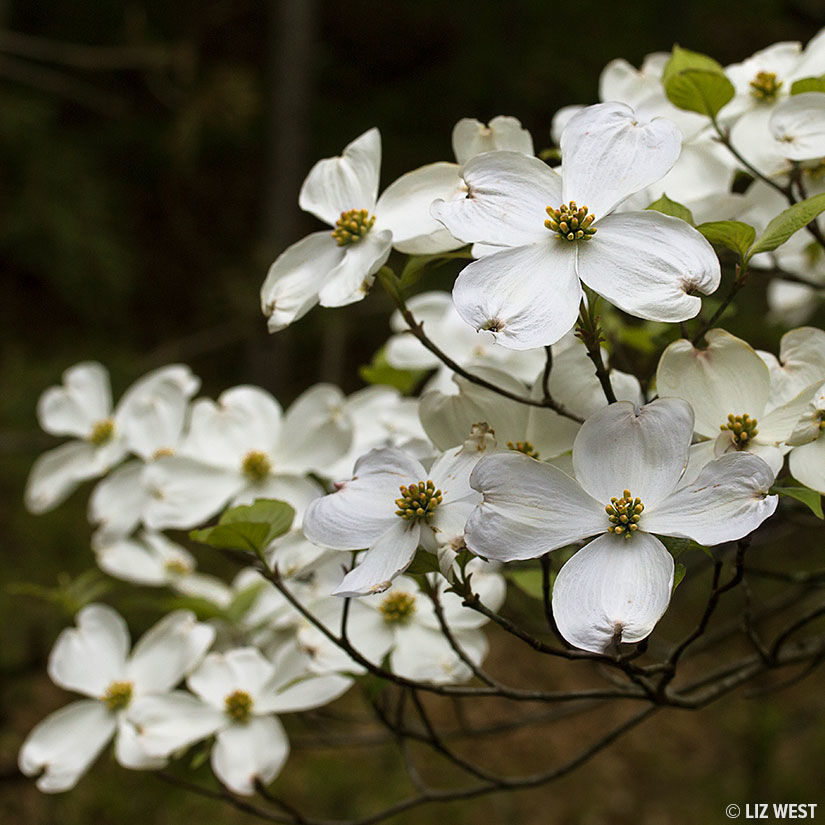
(117, 695)
(523, 447)
(765, 86)
(256, 465)
(176, 567)
(102, 431)
(743, 430)
(352, 226)
(238, 706)
(570, 222)
(418, 501)
(161, 452)
(624, 514)
(398, 607)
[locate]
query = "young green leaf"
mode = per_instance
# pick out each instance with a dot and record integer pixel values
(734, 235)
(787, 223)
(250, 527)
(696, 82)
(528, 581)
(679, 571)
(810, 498)
(673, 208)
(808, 84)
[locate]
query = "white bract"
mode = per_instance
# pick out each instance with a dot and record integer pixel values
(628, 463)
(557, 230)
(93, 659)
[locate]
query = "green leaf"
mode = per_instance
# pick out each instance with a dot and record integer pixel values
(380, 372)
(677, 546)
(678, 574)
(734, 235)
(696, 82)
(416, 264)
(808, 84)
(528, 581)
(243, 600)
(673, 208)
(250, 527)
(786, 223)
(199, 605)
(423, 562)
(71, 594)
(810, 498)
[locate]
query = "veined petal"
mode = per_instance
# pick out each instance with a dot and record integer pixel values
(65, 743)
(725, 378)
(528, 296)
(353, 276)
(609, 153)
(728, 500)
(646, 263)
(253, 751)
(89, 657)
(84, 398)
(168, 651)
(404, 209)
(779, 423)
(386, 558)
(613, 590)
(293, 282)
(507, 197)
(528, 508)
(349, 181)
(642, 449)
(801, 362)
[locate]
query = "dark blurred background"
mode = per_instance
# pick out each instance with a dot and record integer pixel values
(151, 155)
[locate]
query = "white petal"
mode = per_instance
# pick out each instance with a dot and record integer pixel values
(349, 181)
(727, 377)
(807, 464)
(293, 282)
(528, 508)
(471, 137)
(609, 153)
(728, 500)
(404, 209)
(296, 491)
(168, 651)
(802, 357)
(529, 295)
(426, 655)
(646, 263)
(65, 743)
(797, 124)
(220, 674)
(351, 279)
(308, 693)
(116, 503)
(73, 408)
(778, 425)
(507, 197)
(253, 751)
(642, 449)
(613, 590)
(388, 556)
(56, 473)
(89, 657)
(171, 721)
(128, 750)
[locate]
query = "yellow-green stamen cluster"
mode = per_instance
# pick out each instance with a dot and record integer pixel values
(117, 695)
(256, 465)
(398, 607)
(352, 226)
(176, 567)
(523, 447)
(765, 86)
(102, 431)
(418, 501)
(570, 222)
(743, 428)
(238, 706)
(624, 514)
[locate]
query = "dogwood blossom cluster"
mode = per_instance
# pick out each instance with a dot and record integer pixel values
(531, 431)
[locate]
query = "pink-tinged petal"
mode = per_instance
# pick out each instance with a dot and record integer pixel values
(168, 651)
(725, 378)
(613, 590)
(807, 464)
(63, 746)
(641, 449)
(244, 754)
(171, 721)
(386, 558)
(646, 263)
(351, 279)
(527, 296)
(363, 509)
(349, 181)
(528, 508)
(293, 282)
(89, 657)
(128, 750)
(220, 674)
(55, 474)
(404, 209)
(507, 197)
(728, 500)
(471, 137)
(609, 152)
(73, 408)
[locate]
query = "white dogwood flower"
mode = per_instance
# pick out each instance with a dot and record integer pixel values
(557, 230)
(628, 463)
